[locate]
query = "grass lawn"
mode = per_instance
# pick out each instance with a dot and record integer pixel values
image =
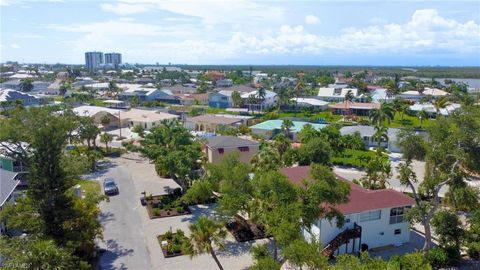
(354, 158)
(408, 121)
(58, 98)
(90, 186)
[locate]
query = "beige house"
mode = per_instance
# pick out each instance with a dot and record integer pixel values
(210, 123)
(145, 118)
(218, 147)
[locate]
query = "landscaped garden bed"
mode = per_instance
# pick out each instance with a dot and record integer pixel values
(169, 205)
(244, 230)
(172, 243)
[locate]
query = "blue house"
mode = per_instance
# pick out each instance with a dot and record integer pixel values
(220, 99)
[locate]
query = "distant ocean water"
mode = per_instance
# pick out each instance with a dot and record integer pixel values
(474, 83)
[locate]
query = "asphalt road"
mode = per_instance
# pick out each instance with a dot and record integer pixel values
(123, 233)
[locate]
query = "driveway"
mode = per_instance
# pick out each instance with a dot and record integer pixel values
(124, 238)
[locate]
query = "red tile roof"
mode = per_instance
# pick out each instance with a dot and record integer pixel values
(360, 199)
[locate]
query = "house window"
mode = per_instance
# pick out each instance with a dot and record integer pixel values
(243, 149)
(397, 231)
(397, 214)
(370, 215)
(220, 150)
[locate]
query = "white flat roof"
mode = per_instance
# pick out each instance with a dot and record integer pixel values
(310, 101)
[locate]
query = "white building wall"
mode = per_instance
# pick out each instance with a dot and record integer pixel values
(375, 233)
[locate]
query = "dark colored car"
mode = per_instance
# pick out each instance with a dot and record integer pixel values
(110, 187)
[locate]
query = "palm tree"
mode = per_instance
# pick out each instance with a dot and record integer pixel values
(397, 104)
(440, 103)
(267, 159)
(26, 85)
(348, 98)
(403, 110)
(286, 126)
(261, 94)
(299, 87)
(422, 115)
(236, 99)
(381, 135)
(391, 87)
(204, 234)
(385, 112)
(106, 138)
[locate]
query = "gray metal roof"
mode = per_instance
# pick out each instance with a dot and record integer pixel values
(229, 141)
(8, 183)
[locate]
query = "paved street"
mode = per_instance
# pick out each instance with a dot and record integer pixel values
(130, 235)
(124, 237)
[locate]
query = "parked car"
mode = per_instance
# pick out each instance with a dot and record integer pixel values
(110, 187)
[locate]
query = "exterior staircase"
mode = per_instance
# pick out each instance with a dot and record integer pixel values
(341, 239)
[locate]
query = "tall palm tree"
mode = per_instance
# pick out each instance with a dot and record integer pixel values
(440, 103)
(385, 112)
(299, 87)
(403, 110)
(106, 138)
(348, 98)
(206, 233)
(286, 126)
(26, 85)
(236, 99)
(261, 94)
(381, 135)
(422, 115)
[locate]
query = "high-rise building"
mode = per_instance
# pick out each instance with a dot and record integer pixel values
(113, 59)
(93, 60)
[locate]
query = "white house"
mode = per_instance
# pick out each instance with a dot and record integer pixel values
(336, 94)
(146, 118)
(270, 98)
(427, 92)
(367, 132)
(430, 109)
(373, 218)
(149, 94)
(311, 102)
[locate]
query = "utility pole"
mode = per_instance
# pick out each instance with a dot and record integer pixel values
(120, 124)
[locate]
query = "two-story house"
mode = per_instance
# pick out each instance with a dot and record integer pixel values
(373, 218)
(218, 147)
(220, 99)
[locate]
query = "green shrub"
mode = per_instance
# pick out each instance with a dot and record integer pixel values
(156, 212)
(168, 235)
(180, 233)
(438, 257)
(473, 250)
(180, 209)
(453, 255)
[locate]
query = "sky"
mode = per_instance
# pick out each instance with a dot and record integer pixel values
(387, 33)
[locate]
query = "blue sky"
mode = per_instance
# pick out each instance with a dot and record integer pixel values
(244, 32)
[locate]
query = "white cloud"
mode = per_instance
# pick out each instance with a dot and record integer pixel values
(14, 46)
(210, 12)
(311, 19)
(426, 31)
(125, 8)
